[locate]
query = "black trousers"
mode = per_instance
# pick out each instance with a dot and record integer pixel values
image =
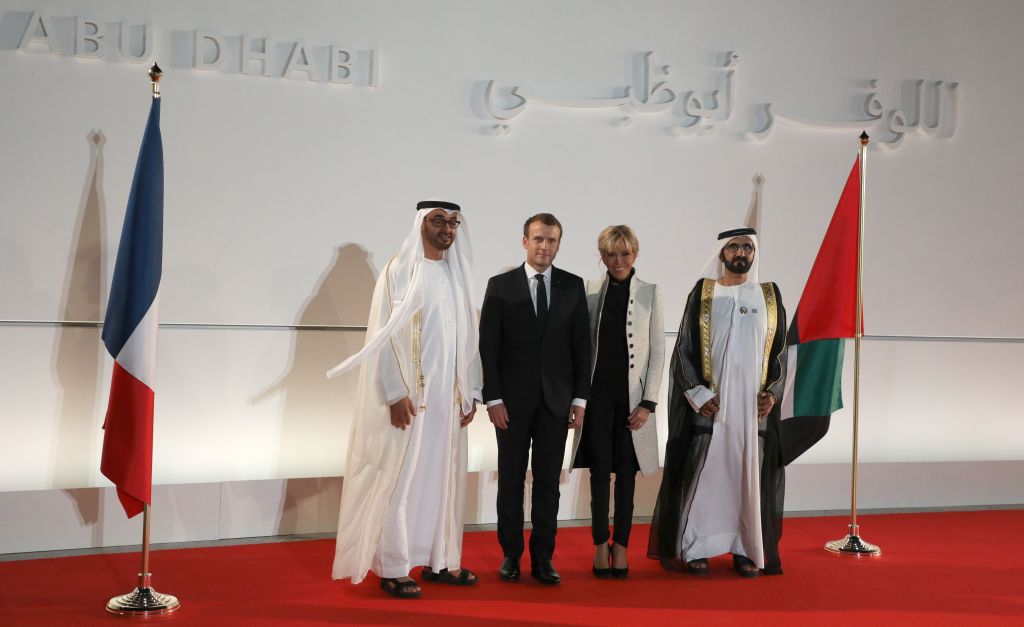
(547, 433)
(608, 445)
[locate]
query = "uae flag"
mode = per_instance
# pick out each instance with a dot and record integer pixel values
(130, 328)
(825, 317)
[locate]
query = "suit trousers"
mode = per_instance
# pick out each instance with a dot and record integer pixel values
(547, 433)
(609, 448)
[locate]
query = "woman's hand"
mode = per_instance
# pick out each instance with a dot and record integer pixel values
(638, 418)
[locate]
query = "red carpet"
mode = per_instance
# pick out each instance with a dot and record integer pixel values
(957, 568)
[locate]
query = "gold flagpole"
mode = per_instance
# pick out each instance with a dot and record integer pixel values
(144, 600)
(852, 544)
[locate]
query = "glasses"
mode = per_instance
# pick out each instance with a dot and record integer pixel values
(735, 248)
(439, 222)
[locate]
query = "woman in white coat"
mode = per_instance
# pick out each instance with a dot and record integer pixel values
(628, 351)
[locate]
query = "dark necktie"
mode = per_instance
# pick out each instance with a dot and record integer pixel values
(542, 299)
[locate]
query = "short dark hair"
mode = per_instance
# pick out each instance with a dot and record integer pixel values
(544, 218)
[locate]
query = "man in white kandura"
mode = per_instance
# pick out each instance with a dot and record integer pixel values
(722, 488)
(404, 486)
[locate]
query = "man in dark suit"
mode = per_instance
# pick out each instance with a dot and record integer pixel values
(535, 350)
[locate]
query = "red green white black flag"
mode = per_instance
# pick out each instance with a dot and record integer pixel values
(824, 318)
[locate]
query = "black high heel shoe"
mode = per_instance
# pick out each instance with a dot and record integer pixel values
(604, 573)
(618, 573)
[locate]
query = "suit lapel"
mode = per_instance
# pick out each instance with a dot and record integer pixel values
(522, 292)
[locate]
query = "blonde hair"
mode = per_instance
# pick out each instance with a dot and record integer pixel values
(612, 237)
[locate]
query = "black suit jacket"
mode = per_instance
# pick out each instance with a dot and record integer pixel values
(525, 362)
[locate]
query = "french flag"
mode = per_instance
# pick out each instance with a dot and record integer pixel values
(130, 328)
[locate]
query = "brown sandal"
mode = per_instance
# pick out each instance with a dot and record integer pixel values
(698, 567)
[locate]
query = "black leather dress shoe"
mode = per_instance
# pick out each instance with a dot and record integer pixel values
(509, 570)
(543, 571)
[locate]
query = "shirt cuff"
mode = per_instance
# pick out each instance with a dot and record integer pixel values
(496, 401)
(698, 395)
(580, 402)
(648, 405)
(398, 395)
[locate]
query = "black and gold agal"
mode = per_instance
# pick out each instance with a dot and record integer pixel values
(736, 233)
(437, 204)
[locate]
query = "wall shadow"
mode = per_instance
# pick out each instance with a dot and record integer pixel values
(754, 214)
(21, 297)
(310, 505)
(12, 27)
(78, 354)
(581, 492)
(310, 403)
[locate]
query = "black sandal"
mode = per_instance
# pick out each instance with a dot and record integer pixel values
(673, 565)
(443, 576)
(745, 566)
(698, 567)
(401, 589)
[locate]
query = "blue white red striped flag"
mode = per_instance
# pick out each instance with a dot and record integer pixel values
(130, 328)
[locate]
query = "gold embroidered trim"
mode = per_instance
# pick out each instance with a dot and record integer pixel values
(773, 321)
(416, 324)
(417, 355)
(782, 355)
(707, 292)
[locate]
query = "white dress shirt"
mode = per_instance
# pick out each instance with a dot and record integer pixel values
(534, 282)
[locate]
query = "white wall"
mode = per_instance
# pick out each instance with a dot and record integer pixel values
(284, 198)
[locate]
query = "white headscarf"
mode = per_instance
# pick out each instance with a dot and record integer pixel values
(715, 269)
(407, 270)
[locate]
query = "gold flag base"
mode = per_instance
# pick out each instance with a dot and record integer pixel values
(143, 601)
(853, 545)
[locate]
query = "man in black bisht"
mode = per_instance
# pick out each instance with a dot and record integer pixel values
(724, 479)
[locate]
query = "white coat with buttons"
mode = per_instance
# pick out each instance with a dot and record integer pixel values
(645, 338)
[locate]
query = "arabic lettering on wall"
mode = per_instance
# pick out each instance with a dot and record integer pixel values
(931, 110)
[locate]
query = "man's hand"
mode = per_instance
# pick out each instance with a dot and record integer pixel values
(498, 415)
(576, 417)
(468, 418)
(402, 413)
(710, 408)
(638, 418)
(765, 402)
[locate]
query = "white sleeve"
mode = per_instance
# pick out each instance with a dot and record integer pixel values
(389, 376)
(698, 395)
(656, 349)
